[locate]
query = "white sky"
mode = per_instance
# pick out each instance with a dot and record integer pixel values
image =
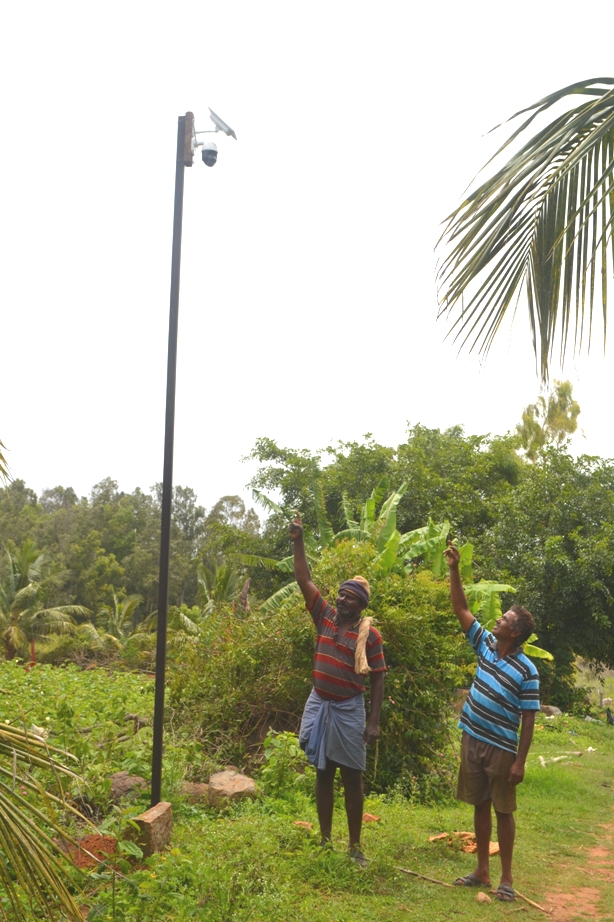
(308, 300)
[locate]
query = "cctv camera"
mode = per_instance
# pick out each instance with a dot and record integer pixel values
(210, 153)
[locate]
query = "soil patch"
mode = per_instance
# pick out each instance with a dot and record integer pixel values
(569, 906)
(100, 846)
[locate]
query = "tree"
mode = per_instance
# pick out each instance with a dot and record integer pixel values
(24, 579)
(543, 222)
(550, 420)
(117, 619)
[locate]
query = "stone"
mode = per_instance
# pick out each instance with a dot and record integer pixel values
(551, 711)
(483, 898)
(155, 828)
(230, 786)
(195, 791)
(124, 785)
(606, 702)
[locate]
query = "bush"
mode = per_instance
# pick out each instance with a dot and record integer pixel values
(245, 676)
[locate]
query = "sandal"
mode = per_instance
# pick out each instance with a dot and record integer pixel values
(357, 857)
(505, 894)
(470, 880)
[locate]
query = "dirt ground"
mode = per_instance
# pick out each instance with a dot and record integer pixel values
(583, 902)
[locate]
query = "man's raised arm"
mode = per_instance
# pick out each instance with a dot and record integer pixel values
(302, 573)
(459, 599)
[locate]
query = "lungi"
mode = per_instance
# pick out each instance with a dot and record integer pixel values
(334, 730)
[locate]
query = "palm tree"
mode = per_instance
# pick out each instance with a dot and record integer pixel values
(219, 583)
(24, 580)
(543, 222)
(116, 619)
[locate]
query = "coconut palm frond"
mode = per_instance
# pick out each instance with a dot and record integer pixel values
(33, 863)
(5, 474)
(543, 223)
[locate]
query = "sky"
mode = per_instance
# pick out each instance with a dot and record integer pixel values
(308, 301)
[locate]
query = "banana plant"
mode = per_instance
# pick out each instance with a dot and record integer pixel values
(380, 529)
(484, 599)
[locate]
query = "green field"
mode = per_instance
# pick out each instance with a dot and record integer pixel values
(252, 863)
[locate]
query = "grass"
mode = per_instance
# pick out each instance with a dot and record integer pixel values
(252, 863)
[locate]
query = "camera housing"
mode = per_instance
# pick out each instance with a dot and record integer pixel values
(209, 153)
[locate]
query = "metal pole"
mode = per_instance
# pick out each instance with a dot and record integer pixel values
(183, 140)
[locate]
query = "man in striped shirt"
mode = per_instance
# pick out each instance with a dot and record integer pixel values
(334, 731)
(504, 696)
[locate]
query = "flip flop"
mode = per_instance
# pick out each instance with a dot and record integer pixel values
(470, 880)
(505, 894)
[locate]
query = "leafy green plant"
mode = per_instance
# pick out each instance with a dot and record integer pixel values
(285, 763)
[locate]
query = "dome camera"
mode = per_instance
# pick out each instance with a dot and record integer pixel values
(209, 153)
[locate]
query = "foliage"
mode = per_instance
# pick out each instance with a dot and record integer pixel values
(117, 619)
(25, 581)
(285, 764)
(107, 545)
(84, 712)
(550, 420)
(544, 222)
(255, 864)
(33, 869)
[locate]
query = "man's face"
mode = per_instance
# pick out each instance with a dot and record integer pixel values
(506, 628)
(349, 606)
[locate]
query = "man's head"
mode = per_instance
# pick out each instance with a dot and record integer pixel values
(353, 597)
(516, 624)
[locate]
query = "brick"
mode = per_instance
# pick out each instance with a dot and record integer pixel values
(156, 827)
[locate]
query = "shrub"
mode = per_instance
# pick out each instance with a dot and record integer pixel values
(247, 675)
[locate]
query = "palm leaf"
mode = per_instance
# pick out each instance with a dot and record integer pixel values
(5, 475)
(268, 504)
(286, 565)
(544, 223)
(33, 863)
(279, 598)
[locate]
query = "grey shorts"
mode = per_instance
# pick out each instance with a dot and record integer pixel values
(484, 775)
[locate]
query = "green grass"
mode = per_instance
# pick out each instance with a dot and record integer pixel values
(253, 864)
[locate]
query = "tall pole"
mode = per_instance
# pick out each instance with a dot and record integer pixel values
(184, 158)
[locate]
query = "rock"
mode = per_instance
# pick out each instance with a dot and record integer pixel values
(483, 898)
(230, 786)
(195, 791)
(551, 711)
(606, 702)
(155, 828)
(123, 785)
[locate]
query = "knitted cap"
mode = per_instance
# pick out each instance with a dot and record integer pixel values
(363, 582)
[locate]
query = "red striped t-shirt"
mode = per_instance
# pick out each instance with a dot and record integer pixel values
(333, 664)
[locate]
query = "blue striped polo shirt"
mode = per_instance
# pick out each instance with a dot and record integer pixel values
(501, 690)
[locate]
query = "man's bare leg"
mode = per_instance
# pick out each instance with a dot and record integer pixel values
(482, 823)
(354, 802)
(325, 797)
(506, 832)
